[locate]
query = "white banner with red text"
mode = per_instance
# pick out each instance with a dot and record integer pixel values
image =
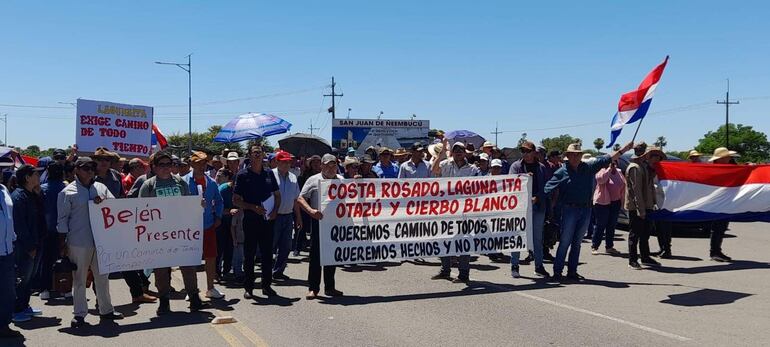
(380, 220)
(147, 233)
(124, 129)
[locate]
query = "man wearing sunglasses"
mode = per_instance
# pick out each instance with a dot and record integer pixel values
(253, 186)
(164, 184)
(456, 166)
(77, 240)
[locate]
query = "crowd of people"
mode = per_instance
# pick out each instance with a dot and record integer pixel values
(45, 227)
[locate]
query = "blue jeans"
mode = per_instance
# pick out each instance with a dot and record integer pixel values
(26, 267)
(282, 228)
(574, 223)
(8, 288)
(538, 220)
(606, 219)
(238, 259)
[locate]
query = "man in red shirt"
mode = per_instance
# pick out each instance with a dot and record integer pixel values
(137, 167)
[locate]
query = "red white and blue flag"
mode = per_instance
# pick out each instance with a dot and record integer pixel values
(633, 105)
(708, 192)
(157, 137)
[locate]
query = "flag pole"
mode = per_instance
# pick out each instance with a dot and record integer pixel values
(637, 129)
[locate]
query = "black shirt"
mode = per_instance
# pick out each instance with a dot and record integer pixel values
(532, 168)
(253, 187)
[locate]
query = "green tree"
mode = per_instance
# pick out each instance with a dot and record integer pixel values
(559, 143)
(752, 145)
(681, 155)
(661, 142)
(599, 144)
(178, 142)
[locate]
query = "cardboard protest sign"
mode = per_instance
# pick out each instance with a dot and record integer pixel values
(125, 129)
(367, 221)
(147, 233)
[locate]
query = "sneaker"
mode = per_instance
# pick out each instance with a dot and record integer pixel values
(77, 322)
(540, 271)
(575, 277)
(462, 279)
(650, 262)
(442, 276)
(611, 251)
(33, 311)
(634, 265)
(526, 261)
(248, 295)
(595, 251)
(214, 293)
(332, 292)
(196, 304)
(720, 257)
(281, 277)
(267, 291)
(557, 278)
(8, 333)
(515, 272)
(45, 295)
(114, 315)
(20, 317)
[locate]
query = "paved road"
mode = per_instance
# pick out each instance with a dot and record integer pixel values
(689, 301)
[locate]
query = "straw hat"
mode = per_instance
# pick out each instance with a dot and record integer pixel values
(574, 148)
(586, 156)
(436, 149)
(400, 152)
(487, 144)
(694, 153)
(656, 150)
(723, 152)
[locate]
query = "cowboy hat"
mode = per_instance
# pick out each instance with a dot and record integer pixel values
(723, 152)
(574, 148)
(435, 149)
(694, 153)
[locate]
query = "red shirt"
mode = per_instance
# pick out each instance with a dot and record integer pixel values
(128, 182)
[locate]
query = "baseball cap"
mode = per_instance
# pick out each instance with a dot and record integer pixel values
(43, 162)
(527, 145)
(233, 156)
(384, 150)
(367, 159)
(156, 157)
(59, 154)
(351, 161)
(484, 156)
(496, 163)
(314, 157)
(85, 161)
(198, 156)
(417, 146)
(328, 158)
(458, 145)
(283, 156)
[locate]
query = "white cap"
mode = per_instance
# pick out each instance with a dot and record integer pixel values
(497, 163)
(484, 156)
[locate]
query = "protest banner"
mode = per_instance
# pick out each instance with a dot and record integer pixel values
(124, 129)
(147, 233)
(361, 134)
(367, 221)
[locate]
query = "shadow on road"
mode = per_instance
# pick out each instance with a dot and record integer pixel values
(705, 297)
(274, 301)
(113, 328)
(735, 265)
(369, 267)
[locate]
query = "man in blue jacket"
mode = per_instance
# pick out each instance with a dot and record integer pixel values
(29, 225)
(212, 215)
(50, 191)
(574, 183)
(528, 164)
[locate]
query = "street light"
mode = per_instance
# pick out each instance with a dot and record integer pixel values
(186, 67)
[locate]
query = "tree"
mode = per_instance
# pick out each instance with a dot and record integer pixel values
(752, 145)
(599, 144)
(661, 142)
(559, 143)
(178, 143)
(681, 155)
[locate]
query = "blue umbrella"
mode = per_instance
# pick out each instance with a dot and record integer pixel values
(252, 126)
(466, 137)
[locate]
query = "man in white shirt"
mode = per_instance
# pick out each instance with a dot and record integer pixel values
(289, 217)
(7, 258)
(74, 225)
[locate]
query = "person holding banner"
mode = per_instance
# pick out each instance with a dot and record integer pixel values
(416, 167)
(212, 216)
(254, 187)
(386, 168)
(718, 228)
(77, 240)
(457, 166)
(574, 183)
(164, 184)
(528, 165)
(309, 200)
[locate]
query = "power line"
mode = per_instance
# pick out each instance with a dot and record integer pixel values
(727, 104)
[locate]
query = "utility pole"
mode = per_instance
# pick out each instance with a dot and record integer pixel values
(311, 128)
(4, 119)
(727, 104)
(496, 132)
(333, 109)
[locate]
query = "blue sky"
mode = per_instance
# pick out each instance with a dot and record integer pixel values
(537, 67)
